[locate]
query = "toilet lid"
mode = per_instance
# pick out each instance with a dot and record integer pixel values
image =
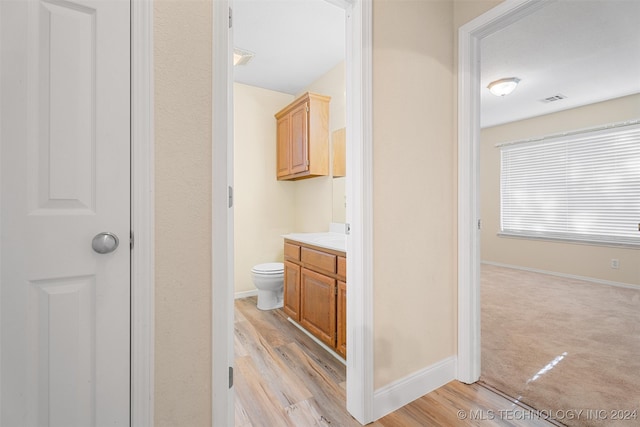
(269, 268)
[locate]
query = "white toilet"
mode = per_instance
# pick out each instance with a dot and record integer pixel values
(268, 278)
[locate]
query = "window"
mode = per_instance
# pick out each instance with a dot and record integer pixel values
(580, 187)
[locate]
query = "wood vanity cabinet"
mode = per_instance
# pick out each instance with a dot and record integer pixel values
(291, 297)
(315, 292)
(302, 142)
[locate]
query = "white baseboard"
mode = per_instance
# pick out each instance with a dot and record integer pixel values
(404, 391)
(566, 276)
(245, 294)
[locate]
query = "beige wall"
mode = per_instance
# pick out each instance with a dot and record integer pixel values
(467, 10)
(263, 209)
(576, 259)
(182, 42)
(414, 289)
(314, 197)
(333, 83)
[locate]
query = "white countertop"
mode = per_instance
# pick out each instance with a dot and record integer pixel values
(327, 240)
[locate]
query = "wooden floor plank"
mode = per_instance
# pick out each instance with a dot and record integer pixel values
(266, 321)
(305, 413)
(281, 362)
(328, 396)
(283, 383)
(260, 405)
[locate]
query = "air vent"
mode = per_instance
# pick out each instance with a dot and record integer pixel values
(553, 98)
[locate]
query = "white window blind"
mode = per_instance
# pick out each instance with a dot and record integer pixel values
(583, 187)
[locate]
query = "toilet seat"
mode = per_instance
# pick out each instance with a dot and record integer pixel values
(268, 268)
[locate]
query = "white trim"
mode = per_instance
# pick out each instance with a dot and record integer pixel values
(359, 188)
(222, 352)
(563, 135)
(317, 341)
(406, 390)
(1, 210)
(565, 275)
(469, 36)
(142, 215)
(245, 294)
(566, 238)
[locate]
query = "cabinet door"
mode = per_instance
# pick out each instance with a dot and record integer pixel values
(292, 290)
(299, 148)
(341, 339)
(282, 147)
(318, 305)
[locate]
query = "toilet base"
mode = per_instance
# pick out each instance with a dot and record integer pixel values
(270, 300)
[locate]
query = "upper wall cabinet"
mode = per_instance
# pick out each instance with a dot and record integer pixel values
(303, 138)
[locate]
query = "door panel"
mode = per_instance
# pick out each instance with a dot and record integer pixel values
(65, 326)
(64, 177)
(63, 61)
(292, 290)
(299, 139)
(283, 136)
(318, 305)
(341, 319)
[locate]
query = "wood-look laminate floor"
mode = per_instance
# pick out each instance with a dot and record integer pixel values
(283, 378)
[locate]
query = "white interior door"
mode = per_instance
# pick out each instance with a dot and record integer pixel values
(64, 178)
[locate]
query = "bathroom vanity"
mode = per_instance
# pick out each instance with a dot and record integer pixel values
(315, 289)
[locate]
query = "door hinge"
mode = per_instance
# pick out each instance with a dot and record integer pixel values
(479, 224)
(230, 18)
(230, 196)
(230, 376)
(347, 229)
(131, 240)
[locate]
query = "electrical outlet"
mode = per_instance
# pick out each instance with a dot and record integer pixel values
(615, 263)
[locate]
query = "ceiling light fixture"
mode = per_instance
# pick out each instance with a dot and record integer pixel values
(242, 57)
(503, 87)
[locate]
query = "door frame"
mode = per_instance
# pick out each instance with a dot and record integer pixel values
(469, 38)
(142, 215)
(359, 190)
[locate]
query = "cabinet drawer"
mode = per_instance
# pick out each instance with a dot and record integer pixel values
(321, 260)
(292, 251)
(342, 267)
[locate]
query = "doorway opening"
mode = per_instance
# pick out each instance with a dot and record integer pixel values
(358, 189)
(472, 36)
(281, 70)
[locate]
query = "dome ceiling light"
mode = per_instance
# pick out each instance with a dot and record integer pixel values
(241, 56)
(503, 87)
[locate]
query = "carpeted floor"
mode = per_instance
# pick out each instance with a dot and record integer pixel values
(562, 346)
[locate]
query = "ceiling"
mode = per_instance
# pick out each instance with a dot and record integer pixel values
(294, 41)
(586, 51)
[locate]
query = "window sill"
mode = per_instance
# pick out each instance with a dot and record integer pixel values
(571, 240)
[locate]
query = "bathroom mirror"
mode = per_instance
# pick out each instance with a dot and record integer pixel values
(339, 170)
